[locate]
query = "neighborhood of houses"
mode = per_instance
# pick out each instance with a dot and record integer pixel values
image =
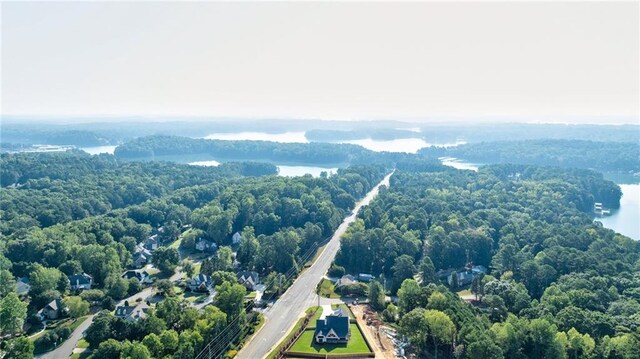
(141, 268)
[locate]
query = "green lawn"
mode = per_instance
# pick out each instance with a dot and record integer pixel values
(82, 343)
(356, 345)
(176, 243)
(192, 296)
(327, 289)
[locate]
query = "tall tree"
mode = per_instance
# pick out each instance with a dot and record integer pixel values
(13, 312)
(376, 295)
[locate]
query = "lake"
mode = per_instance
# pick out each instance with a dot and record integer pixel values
(284, 171)
(409, 145)
(286, 137)
(459, 164)
(294, 171)
(626, 220)
(205, 163)
(96, 150)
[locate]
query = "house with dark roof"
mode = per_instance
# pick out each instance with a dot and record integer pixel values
(132, 312)
(152, 243)
(142, 276)
(201, 283)
(462, 278)
(248, 279)
(51, 311)
(139, 260)
(80, 281)
(333, 329)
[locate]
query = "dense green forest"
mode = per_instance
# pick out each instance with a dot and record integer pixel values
(70, 213)
(559, 285)
(603, 156)
(44, 189)
(315, 153)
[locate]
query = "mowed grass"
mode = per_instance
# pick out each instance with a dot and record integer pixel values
(306, 344)
(327, 289)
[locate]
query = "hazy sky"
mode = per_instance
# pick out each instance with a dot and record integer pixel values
(322, 60)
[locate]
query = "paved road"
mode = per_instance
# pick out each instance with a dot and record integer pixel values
(301, 295)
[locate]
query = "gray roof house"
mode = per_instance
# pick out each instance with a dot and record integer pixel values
(204, 245)
(248, 279)
(142, 276)
(334, 328)
(152, 242)
(463, 278)
(346, 279)
(201, 283)
(80, 281)
(22, 286)
(132, 312)
(51, 311)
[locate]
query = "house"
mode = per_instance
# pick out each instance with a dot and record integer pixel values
(346, 279)
(80, 281)
(364, 277)
(51, 311)
(152, 243)
(201, 283)
(23, 287)
(139, 260)
(142, 276)
(132, 312)
(479, 269)
(141, 256)
(463, 278)
(204, 245)
(248, 279)
(333, 328)
(235, 239)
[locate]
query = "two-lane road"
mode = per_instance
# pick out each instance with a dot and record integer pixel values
(283, 315)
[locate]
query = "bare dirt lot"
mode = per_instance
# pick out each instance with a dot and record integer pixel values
(382, 345)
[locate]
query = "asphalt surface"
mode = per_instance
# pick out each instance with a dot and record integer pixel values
(282, 316)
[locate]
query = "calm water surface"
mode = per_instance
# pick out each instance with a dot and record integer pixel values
(294, 171)
(284, 171)
(286, 137)
(459, 164)
(205, 163)
(626, 220)
(98, 149)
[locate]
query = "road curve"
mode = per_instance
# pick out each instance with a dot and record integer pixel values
(283, 315)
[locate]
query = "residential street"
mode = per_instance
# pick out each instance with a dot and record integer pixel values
(283, 315)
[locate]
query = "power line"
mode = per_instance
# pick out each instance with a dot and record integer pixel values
(224, 344)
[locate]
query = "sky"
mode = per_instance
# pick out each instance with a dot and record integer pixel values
(546, 61)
